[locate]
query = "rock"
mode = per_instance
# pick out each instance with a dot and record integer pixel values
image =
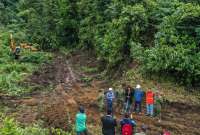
(71, 101)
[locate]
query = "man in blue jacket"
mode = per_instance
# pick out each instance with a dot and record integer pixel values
(138, 95)
(109, 96)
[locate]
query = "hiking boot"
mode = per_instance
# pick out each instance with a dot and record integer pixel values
(151, 116)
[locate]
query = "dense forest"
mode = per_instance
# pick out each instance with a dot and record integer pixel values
(132, 39)
(163, 36)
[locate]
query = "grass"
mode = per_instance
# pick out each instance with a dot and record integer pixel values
(13, 72)
(9, 126)
(89, 69)
(86, 80)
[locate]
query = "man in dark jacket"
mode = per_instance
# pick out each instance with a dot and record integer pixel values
(128, 99)
(108, 124)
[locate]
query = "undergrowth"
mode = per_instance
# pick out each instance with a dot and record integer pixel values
(89, 69)
(10, 127)
(13, 72)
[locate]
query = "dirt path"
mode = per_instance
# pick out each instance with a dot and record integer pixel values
(58, 107)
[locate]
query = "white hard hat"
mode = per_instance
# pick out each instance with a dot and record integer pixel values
(138, 86)
(110, 89)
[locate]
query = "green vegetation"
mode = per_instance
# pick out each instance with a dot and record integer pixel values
(89, 69)
(13, 72)
(86, 80)
(11, 127)
(163, 36)
(176, 50)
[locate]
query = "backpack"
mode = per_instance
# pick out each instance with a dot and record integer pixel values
(166, 133)
(127, 129)
(109, 95)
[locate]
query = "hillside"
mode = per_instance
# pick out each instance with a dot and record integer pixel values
(72, 89)
(56, 55)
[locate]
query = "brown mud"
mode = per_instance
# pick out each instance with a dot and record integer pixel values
(57, 108)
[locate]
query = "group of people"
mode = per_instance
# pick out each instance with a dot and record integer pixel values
(153, 100)
(127, 124)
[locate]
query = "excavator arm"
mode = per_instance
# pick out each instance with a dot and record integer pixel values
(12, 43)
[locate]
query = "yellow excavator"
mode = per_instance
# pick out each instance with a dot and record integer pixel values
(17, 49)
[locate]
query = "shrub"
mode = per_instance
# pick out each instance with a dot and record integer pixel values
(36, 57)
(176, 50)
(10, 127)
(121, 33)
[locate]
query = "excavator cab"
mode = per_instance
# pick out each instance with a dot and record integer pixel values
(15, 50)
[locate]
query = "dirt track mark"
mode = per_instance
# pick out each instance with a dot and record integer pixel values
(58, 108)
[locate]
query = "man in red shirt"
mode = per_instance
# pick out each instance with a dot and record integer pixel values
(150, 102)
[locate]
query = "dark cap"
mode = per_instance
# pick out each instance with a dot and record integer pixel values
(126, 115)
(81, 109)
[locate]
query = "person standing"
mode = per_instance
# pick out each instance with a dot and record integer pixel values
(150, 102)
(127, 125)
(138, 95)
(81, 119)
(108, 124)
(109, 96)
(158, 105)
(128, 99)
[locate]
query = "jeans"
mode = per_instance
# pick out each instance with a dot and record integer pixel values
(150, 109)
(82, 132)
(138, 106)
(110, 105)
(127, 106)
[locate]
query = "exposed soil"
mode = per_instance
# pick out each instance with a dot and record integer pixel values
(57, 108)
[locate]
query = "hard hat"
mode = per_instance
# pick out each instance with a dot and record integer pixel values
(110, 89)
(138, 86)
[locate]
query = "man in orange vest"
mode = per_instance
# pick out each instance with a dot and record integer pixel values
(150, 102)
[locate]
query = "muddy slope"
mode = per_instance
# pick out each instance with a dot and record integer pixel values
(57, 108)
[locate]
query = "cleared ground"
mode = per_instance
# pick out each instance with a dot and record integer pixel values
(72, 86)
